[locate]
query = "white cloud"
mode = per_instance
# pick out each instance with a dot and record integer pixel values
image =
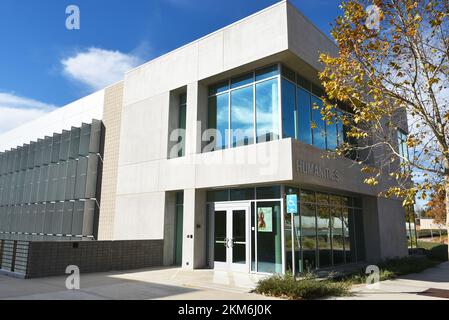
(98, 68)
(16, 110)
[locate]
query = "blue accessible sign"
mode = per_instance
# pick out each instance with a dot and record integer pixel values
(292, 203)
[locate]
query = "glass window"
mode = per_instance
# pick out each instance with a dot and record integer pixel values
(266, 73)
(340, 129)
(304, 116)
(242, 194)
(319, 130)
(318, 91)
(348, 232)
(273, 192)
(267, 110)
(335, 200)
(219, 120)
(288, 109)
(218, 195)
(242, 116)
(332, 133)
(180, 198)
(219, 88)
(402, 145)
(242, 80)
(179, 227)
(308, 236)
(357, 202)
(324, 237)
(182, 123)
(269, 237)
(307, 196)
(289, 73)
(338, 237)
(220, 236)
(304, 83)
(322, 198)
(288, 234)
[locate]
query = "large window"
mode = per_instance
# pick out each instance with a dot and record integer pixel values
(289, 114)
(245, 109)
(328, 231)
(304, 115)
(267, 110)
(242, 116)
(302, 119)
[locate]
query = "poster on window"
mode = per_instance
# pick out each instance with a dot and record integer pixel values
(265, 220)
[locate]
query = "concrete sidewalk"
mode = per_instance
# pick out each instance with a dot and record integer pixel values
(410, 287)
(164, 284)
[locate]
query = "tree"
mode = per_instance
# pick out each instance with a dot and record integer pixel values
(436, 208)
(392, 67)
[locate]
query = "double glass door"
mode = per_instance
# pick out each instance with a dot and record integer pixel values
(231, 237)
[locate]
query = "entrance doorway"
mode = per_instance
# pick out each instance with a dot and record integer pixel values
(230, 236)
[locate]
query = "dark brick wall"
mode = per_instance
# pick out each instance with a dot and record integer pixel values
(52, 258)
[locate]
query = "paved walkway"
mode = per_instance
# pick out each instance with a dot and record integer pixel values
(410, 287)
(171, 284)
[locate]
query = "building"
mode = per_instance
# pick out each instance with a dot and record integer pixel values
(191, 158)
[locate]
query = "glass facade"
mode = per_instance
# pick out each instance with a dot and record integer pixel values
(326, 232)
(269, 104)
(246, 109)
(309, 126)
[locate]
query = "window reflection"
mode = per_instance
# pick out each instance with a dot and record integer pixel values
(242, 116)
(304, 116)
(319, 125)
(289, 109)
(308, 236)
(338, 248)
(219, 120)
(232, 106)
(267, 110)
(324, 237)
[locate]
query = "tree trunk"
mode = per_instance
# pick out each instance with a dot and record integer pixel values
(447, 206)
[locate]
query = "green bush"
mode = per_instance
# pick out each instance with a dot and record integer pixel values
(398, 267)
(287, 286)
(435, 251)
(393, 268)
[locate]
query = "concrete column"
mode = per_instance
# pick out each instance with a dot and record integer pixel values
(371, 229)
(384, 229)
(393, 233)
(194, 235)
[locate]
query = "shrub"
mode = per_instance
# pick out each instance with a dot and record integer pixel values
(435, 251)
(287, 286)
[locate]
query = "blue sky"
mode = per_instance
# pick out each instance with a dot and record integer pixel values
(43, 65)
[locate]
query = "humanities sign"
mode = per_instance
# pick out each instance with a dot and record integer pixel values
(313, 169)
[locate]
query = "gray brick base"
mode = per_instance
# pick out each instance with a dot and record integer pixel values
(52, 258)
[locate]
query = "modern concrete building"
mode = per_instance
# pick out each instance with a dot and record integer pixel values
(197, 152)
